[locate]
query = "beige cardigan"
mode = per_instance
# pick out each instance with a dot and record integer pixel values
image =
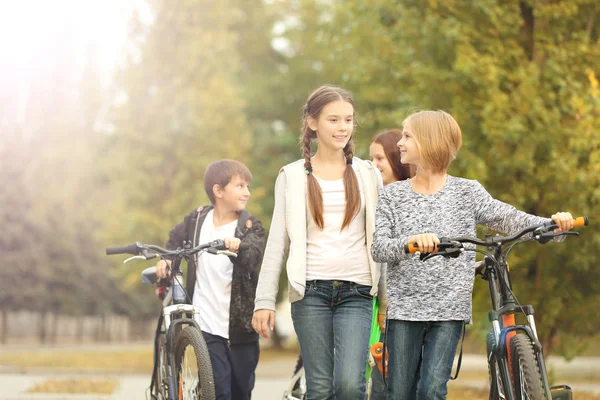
(287, 236)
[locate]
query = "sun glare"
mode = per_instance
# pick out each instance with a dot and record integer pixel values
(32, 32)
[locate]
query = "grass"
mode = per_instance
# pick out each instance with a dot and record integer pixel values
(477, 394)
(138, 360)
(131, 361)
(76, 386)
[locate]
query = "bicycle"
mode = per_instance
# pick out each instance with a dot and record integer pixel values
(296, 389)
(182, 367)
(515, 361)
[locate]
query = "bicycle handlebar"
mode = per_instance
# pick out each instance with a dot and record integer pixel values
(540, 234)
(140, 248)
(131, 249)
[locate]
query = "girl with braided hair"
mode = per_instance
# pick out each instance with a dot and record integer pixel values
(322, 228)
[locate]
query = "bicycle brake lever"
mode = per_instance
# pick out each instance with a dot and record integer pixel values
(448, 253)
(227, 253)
(134, 258)
(148, 255)
(546, 237)
(427, 256)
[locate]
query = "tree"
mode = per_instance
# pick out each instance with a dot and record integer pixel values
(182, 110)
(20, 241)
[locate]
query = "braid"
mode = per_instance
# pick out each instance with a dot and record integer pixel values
(349, 151)
(352, 192)
(315, 196)
(306, 152)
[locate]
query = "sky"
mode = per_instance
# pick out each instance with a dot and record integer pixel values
(28, 27)
(35, 33)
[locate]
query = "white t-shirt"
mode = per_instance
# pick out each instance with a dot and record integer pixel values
(333, 254)
(212, 294)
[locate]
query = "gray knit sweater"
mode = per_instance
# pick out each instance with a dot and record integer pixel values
(439, 289)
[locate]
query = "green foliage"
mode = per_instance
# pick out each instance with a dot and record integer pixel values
(183, 111)
(207, 80)
(520, 77)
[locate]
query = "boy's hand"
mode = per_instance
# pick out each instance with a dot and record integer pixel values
(232, 244)
(163, 269)
(262, 321)
(427, 242)
(564, 220)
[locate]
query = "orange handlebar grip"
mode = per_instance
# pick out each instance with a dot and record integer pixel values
(580, 221)
(411, 248)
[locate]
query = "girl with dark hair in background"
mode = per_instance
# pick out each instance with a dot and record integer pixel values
(385, 154)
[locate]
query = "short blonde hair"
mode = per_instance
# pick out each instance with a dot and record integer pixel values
(437, 135)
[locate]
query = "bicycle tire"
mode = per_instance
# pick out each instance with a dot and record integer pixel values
(299, 364)
(161, 378)
(526, 376)
(497, 391)
(194, 374)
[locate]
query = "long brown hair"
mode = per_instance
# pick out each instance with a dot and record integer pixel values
(315, 103)
(389, 140)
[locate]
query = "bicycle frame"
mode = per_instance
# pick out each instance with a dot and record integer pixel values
(174, 315)
(176, 311)
(495, 270)
(504, 328)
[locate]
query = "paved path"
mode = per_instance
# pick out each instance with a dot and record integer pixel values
(272, 379)
(132, 387)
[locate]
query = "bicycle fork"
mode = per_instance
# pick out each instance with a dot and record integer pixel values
(501, 347)
(177, 310)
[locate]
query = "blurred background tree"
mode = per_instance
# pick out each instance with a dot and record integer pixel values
(104, 164)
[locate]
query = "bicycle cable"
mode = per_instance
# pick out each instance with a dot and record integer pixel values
(507, 287)
(197, 256)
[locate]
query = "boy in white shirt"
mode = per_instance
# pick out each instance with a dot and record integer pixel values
(224, 288)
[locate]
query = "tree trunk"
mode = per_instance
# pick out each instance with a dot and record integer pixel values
(53, 329)
(98, 330)
(547, 341)
(4, 327)
(43, 333)
(79, 329)
(105, 328)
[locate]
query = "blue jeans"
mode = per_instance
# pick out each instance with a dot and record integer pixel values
(420, 358)
(333, 324)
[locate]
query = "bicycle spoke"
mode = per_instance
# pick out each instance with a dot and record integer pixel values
(524, 390)
(189, 375)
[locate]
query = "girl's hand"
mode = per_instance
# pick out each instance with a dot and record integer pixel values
(262, 321)
(427, 242)
(564, 220)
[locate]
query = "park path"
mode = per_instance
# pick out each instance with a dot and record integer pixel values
(272, 379)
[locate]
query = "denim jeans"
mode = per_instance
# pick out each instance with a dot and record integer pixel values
(333, 324)
(420, 358)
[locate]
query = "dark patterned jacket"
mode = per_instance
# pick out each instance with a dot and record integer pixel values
(245, 267)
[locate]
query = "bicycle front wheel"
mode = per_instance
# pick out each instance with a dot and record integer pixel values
(497, 391)
(526, 374)
(192, 363)
(161, 379)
